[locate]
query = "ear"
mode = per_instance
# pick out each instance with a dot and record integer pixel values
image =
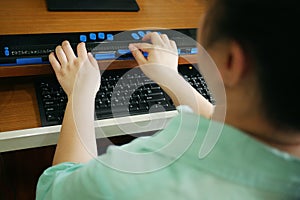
(233, 67)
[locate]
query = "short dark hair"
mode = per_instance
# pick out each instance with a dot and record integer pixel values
(268, 32)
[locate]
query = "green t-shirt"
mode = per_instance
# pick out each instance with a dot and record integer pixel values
(167, 166)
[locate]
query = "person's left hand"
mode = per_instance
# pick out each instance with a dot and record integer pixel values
(76, 74)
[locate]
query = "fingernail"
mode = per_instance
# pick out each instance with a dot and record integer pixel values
(132, 47)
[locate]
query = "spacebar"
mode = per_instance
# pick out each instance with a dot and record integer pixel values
(115, 110)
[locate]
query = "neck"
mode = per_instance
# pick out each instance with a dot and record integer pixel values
(286, 141)
(263, 131)
(246, 114)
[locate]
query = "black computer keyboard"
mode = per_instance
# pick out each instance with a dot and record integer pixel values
(123, 92)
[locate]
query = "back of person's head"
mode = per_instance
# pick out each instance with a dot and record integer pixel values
(268, 32)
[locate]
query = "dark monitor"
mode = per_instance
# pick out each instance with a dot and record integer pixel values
(93, 5)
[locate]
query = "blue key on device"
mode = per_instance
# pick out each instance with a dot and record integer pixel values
(135, 36)
(194, 51)
(101, 36)
(141, 33)
(93, 36)
(145, 54)
(110, 37)
(124, 51)
(24, 61)
(82, 38)
(6, 51)
(104, 56)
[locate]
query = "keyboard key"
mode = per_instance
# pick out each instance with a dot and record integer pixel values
(51, 118)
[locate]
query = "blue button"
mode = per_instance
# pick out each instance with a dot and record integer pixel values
(93, 36)
(24, 61)
(145, 54)
(148, 32)
(124, 51)
(82, 38)
(141, 33)
(194, 51)
(6, 52)
(135, 36)
(6, 48)
(101, 36)
(110, 37)
(179, 51)
(104, 56)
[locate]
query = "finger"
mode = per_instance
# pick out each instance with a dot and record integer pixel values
(137, 54)
(173, 45)
(61, 56)
(146, 47)
(81, 50)
(154, 37)
(54, 63)
(68, 50)
(165, 39)
(92, 60)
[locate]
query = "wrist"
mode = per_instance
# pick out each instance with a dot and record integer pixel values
(167, 77)
(171, 80)
(82, 98)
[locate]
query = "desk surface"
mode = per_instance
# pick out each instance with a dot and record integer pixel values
(31, 16)
(18, 105)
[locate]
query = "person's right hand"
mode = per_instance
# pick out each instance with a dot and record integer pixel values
(76, 74)
(162, 55)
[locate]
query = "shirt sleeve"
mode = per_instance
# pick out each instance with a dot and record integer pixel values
(48, 178)
(73, 181)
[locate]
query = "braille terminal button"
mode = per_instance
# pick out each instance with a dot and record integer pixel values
(135, 36)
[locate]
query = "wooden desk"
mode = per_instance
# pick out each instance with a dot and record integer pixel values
(18, 104)
(31, 16)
